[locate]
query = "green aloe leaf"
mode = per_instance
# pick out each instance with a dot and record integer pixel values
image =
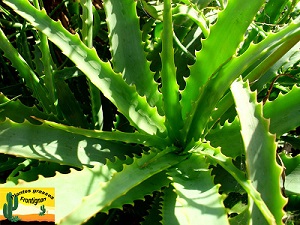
(282, 120)
(260, 149)
(262, 72)
(143, 168)
(219, 83)
(286, 115)
(194, 15)
(133, 138)
(292, 182)
(10, 108)
(228, 137)
(87, 38)
(216, 157)
(31, 79)
(47, 62)
(292, 172)
(170, 88)
(285, 62)
(69, 105)
(49, 144)
(194, 195)
(125, 97)
(235, 19)
(128, 58)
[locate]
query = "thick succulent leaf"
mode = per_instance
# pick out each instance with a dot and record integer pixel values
(262, 73)
(32, 81)
(216, 157)
(219, 83)
(10, 108)
(271, 10)
(193, 15)
(48, 65)
(125, 97)
(69, 105)
(228, 137)
(154, 213)
(242, 218)
(45, 143)
(260, 148)
(208, 59)
(87, 22)
(8, 163)
(121, 183)
(197, 200)
(87, 38)
(285, 62)
(275, 54)
(292, 182)
(170, 88)
(283, 119)
(284, 112)
(126, 47)
(147, 187)
(130, 138)
(31, 170)
(292, 172)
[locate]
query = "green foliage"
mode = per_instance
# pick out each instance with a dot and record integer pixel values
(185, 101)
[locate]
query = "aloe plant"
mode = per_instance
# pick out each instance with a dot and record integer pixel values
(176, 108)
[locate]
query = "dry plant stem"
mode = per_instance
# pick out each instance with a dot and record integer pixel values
(272, 85)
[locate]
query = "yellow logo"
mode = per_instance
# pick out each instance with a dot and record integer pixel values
(27, 204)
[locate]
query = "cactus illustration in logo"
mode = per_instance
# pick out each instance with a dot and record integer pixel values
(9, 207)
(43, 210)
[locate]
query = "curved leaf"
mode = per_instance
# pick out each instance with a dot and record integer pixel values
(10, 109)
(49, 144)
(126, 47)
(130, 138)
(218, 84)
(216, 157)
(260, 149)
(292, 172)
(258, 77)
(228, 137)
(170, 88)
(193, 15)
(120, 184)
(235, 19)
(283, 112)
(125, 97)
(32, 81)
(87, 38)
(197, 200)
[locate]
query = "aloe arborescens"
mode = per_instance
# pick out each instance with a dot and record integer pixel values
(182, 127)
